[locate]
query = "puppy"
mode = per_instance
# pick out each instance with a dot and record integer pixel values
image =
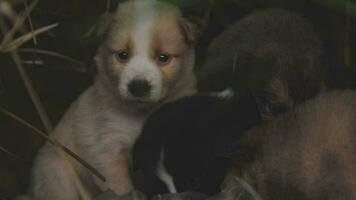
(286, 42)
(183, 144)
(306, 154)
(147, 59)
(277, 56)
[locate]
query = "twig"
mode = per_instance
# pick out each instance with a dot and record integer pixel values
(10, 153)
(32, 62)
(7, 11)
(10, 46)
(38, 104)
(31, 25)
(33, 94)
(84, 195)
(16, 58)
(34, 97)
(54, 143)
(18, 24)
(55, 54)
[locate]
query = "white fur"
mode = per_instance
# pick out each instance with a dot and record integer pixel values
(164, 176)
(101, 128)
(224, 94)
(247, 187)
(140, 65)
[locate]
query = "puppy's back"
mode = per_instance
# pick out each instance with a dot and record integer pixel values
(309, 153)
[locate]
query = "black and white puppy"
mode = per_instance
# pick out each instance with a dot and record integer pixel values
(184, 146)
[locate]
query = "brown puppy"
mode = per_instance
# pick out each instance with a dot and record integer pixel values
(272, 52)
(307, 154)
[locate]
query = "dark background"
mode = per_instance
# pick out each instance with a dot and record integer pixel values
(58, 82)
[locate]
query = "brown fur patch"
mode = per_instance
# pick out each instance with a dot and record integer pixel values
(167, 39)
(308, 153)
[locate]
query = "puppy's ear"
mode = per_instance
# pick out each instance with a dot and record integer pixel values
(190, 31)
(105, 21)
(100, 27)
(104, 24)
(196, 16)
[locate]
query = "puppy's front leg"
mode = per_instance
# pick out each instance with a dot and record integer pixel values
(115, 168)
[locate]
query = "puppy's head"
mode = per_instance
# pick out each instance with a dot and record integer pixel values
(148, 52)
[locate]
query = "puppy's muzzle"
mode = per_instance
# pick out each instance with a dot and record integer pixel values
(139, 88)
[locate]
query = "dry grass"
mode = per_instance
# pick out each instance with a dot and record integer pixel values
(11, 45)
(52, 141)
(10, 153)
(14, 44)
(80, 66)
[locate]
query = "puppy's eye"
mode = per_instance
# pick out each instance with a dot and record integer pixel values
(122, 56)
(164, 58)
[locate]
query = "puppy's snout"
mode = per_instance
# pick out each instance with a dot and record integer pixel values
(139, 88)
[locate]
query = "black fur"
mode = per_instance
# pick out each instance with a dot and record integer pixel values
(196, 135)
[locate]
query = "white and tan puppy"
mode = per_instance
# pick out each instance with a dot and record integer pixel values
(147, 59)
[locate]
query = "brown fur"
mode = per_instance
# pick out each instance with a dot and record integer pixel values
(168, 39)
(308, 153)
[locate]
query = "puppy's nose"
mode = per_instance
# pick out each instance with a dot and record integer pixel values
(139, 88)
